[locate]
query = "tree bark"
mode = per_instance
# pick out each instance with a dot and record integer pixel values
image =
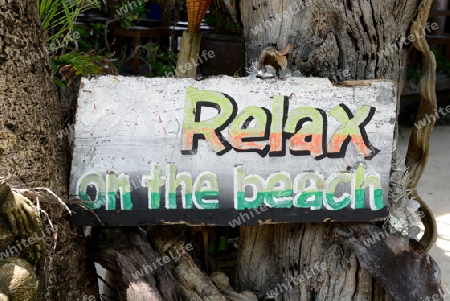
(162, 271)
(363, 38)
(133, 264)
(327, 37)
(31, 153)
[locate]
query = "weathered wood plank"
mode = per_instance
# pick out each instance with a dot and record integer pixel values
(131, 133)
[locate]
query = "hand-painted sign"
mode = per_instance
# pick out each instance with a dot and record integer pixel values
(230, 151)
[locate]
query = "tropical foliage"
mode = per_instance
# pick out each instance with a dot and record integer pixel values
(130, 12)
(58, 18)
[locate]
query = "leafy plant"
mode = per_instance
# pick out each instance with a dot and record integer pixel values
(413, 73)
(130, 12)
(92, 37)
(58, 16)
(162, 62)
(221, 22)
(442, 63)
(442, 66)
(73, 64)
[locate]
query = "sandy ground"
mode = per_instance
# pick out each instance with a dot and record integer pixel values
(434, 188)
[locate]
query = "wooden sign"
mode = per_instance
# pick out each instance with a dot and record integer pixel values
(231, 151)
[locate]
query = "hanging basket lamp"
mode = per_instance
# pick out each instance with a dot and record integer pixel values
(196, 12)
(190, 41)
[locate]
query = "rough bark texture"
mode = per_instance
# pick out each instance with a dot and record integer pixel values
(125, 251)
(362, 37)
(163, 270)
(196, 285)
(31, 154)
(328, 38)
(270, 255)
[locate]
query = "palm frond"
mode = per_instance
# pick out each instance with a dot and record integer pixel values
(58, 16)
(73, 64)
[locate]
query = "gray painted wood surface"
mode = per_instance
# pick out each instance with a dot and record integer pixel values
(126, 124)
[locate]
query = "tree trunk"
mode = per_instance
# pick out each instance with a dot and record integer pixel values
(329, 38)
(31, 153)
(161, 271)
(332, 38)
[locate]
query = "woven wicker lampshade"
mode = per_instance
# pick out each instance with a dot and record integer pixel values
(196, 12)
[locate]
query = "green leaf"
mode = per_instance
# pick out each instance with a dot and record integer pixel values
(59, 83)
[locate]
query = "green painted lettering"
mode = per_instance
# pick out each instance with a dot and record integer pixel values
(278, 190)
(96, 180)
(333, 202)
(373, 183)
(206, 186)
(240, 131)
(309, 136)
(119, 183)
(241, 201)
(173, 181)
(308, 189)
(154, 182)
(194, 128)
(276, 127)
(353, 127)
